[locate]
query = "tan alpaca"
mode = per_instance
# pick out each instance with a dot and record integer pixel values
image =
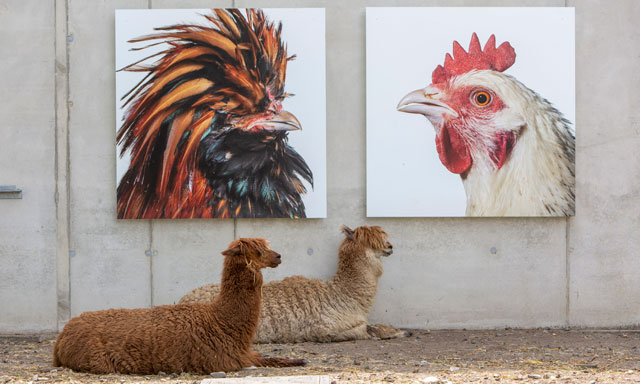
(298, 309)
(198, 338)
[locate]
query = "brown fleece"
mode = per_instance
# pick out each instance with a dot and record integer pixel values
(198, 338)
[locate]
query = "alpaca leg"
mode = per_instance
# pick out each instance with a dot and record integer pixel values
(278, 362)
(358, 332)
(383, 331)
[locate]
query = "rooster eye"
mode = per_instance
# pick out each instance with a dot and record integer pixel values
(482, 98)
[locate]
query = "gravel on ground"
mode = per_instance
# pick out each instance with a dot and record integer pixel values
(538, 356)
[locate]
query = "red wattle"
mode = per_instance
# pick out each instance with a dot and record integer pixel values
(505, 143)
(453, 150)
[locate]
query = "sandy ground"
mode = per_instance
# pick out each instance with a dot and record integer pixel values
(507, 356)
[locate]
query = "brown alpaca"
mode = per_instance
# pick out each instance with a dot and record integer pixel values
(299, 309)
(198, 338)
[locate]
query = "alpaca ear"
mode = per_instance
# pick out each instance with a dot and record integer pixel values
(347, 232)
(235, 249)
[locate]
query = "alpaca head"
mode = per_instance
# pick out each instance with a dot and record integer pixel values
(256, 253)
(371, 238)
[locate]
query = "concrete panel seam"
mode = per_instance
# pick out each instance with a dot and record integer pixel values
(61, 161)
(68, 151)
(151, 254)
(567, 254)
(567, 267)
(151, 250)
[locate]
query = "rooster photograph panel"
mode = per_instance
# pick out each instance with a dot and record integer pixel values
(470, 112)
(220, 113)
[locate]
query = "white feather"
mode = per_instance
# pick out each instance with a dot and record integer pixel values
(538, 178)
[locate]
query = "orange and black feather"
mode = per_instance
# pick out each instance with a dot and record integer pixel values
(207, 76)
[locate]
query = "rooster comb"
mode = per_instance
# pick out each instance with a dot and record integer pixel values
(497, 59)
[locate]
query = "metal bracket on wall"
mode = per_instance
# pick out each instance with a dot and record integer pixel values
(10, 192)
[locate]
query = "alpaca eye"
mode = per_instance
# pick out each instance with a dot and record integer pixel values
(482, 98)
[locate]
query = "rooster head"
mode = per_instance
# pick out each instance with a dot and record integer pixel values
(206, 127)
(467, 104)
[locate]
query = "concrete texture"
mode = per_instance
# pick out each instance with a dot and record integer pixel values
(438, 278)
(27, 160)
(65, 252)
(604, 254)
(108, 266)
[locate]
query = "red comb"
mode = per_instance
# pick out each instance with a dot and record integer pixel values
(497, 59)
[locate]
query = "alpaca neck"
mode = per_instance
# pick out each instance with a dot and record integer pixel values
(238, 304)
(357, 277)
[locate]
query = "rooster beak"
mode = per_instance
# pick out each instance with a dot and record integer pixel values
(283, 121)
(426, 102)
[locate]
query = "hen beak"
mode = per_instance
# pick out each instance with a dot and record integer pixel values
(426, 102)
(283, 121)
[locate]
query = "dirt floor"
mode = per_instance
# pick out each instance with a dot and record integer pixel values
(507, 356)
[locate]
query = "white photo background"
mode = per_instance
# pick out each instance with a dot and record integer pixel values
(303, 32)
(405, 177)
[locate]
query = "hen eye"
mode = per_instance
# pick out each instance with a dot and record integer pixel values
(482, 98)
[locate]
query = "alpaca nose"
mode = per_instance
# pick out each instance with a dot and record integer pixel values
(278, 256)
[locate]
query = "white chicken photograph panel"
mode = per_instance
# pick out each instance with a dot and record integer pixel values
(220, 113)
(470, 112)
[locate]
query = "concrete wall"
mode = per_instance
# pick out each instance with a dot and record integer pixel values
(63, 252)
(27, 159)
